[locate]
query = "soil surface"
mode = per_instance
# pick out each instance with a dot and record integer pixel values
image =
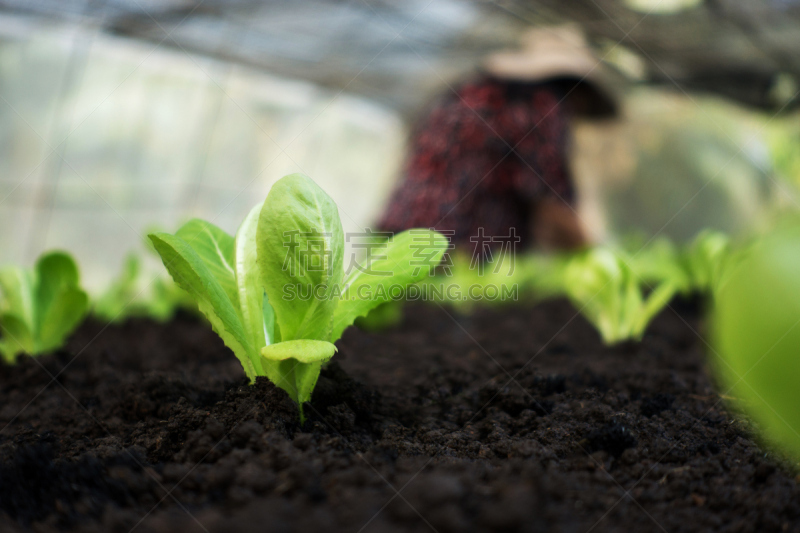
(512, 419)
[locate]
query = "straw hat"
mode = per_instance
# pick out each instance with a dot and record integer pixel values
(552, 53)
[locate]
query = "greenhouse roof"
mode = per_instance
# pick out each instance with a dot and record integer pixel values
(400, 52)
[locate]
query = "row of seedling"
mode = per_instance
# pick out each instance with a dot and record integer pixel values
(294, 240)
(240, 283)
(618, 291)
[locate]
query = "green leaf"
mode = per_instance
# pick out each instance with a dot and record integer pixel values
(64, 314)
(656, 301)
(248, 284)
(271, 333)
(17, 288)
(300, 246)
(593, 281)
(407, 259)
(216, 249)
(304, 351)
(705, 259)
(40, 308)
(17, 337)
(300, 364)
(661, 262)
(54, 271)
(380, 318)
(756, 332)
(60, 303)
(193, 275)
(117, 302)
(128, 295)
(608, 293)
(165, 298)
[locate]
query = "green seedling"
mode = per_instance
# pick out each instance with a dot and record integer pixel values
(165, 299)
(602, 285)
(698, 267)
(39, 308)
(706, 260)
(466, 284)
(113, 305)
(756, 326)
(541, 275)
(129, 295)
(276, 292)
(384, 316)
(659, 262)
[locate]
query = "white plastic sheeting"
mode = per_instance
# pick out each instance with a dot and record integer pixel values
(104, 138)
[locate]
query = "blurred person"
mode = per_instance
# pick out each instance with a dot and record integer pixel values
(489, 161)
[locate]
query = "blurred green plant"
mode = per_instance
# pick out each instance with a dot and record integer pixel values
(698, 267)
(130, 296)
(608, 293)
(756, 327)
(39, 308)
(783, 138)
(619, 291)
(384, 316)
(706, 260)
(276, 292)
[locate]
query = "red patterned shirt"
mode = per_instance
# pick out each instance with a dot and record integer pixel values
(483, 157)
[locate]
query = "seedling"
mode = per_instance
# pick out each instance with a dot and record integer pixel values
(276, 292)
(658, 262)
(113, 304)
(757, 334)
(466, 284)
(602, 285)
(706, 260)
(128, 295)
(698, 267)
(39, 308)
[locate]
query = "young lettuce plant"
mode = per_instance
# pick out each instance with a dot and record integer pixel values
(276, 292)
(706, 259)
(697, 267)
(39, 308)
(661, 261)
(126, 296)
(602, 285)
(114, 303)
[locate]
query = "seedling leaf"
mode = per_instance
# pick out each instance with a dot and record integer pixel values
(300, 364)
(250, 293)
(216, 249)
(17, 337)
(397, 265)
(17, 288)
(59, 318)
(602, 285)
(192, 274)
(304, 351)
(300, 245)
(40, 308)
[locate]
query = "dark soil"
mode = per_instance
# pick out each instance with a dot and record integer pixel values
(514, 419)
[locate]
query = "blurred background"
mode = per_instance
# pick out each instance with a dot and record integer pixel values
(120, 116)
